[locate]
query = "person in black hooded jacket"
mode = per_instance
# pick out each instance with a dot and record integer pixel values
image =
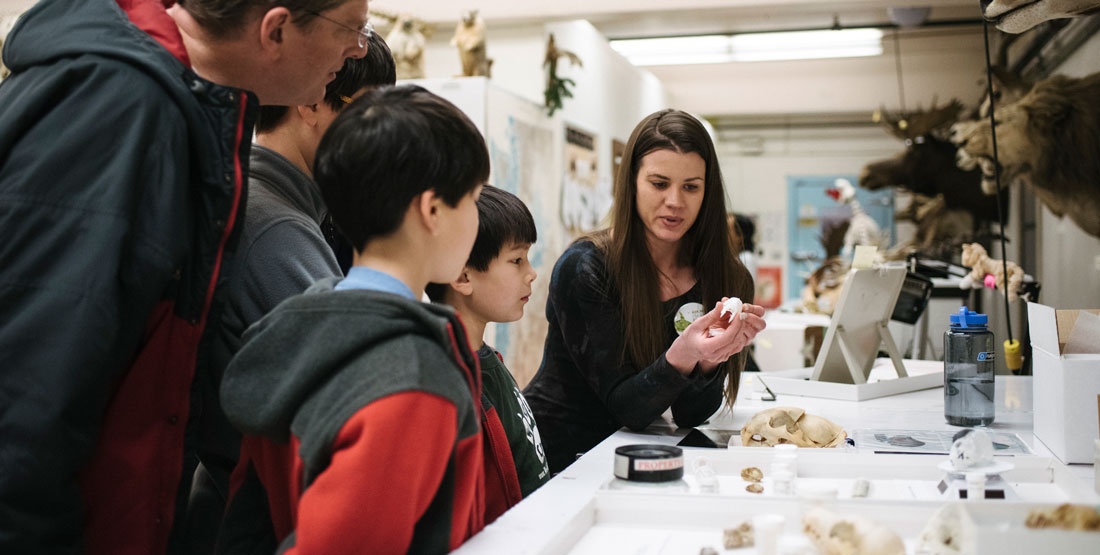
(123, 157)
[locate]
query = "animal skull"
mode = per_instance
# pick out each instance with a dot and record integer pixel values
(835, 534)
(790, 425)
(736, 538)
(1066, 517)
(946, 533)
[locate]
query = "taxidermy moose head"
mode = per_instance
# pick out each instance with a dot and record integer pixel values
(1017, 16)
(1049, 140)
(1008, 88)
(927, 165)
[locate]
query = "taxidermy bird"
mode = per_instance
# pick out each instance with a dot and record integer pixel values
(862, 229)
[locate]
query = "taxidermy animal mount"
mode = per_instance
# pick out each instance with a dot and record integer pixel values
(406, 40)
(823, 287)
(981, 265)
(928, 164)
(940, 230)
(1017, 16)
(470, 40)
(557, 88)
(1008, 88)
(862, 228)
(1049, 140)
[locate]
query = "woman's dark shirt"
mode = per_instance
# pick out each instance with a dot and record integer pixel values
(584, 390)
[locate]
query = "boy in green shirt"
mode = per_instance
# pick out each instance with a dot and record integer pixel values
(494, 287)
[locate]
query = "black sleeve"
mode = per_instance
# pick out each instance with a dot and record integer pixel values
(700, 399)
(91, 171)
(246, 527)
(591, 323)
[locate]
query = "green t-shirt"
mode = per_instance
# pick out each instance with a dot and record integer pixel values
(498, 385)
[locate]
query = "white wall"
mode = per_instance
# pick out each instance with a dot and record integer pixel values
(516, 50)
(610, 95)
(944, 63)
(757, 183)
(1069, 259)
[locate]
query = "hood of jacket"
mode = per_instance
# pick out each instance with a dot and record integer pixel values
(138, 32)
(310, 339)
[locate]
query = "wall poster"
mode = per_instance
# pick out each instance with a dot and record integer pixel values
(585, 197)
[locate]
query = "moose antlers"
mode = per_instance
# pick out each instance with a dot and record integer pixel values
(920, 122)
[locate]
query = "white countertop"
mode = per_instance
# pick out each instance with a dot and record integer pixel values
(536, 520)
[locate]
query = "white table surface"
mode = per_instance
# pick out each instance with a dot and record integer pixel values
(536, 520)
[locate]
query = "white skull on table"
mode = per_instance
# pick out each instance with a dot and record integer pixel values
(792, 425)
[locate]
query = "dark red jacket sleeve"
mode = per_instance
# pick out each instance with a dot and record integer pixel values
(388, 461)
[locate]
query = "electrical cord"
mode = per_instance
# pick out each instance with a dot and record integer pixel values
(1013, 360)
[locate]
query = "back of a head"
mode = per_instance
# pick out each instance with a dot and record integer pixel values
(747, 230)
(388, 147)
(376, 69)
(503, 220)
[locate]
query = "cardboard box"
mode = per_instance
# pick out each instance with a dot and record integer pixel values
(1066, 386)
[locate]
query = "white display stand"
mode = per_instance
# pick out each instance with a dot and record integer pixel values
(847, 368)
(859, 327)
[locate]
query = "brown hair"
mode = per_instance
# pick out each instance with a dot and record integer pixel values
(707, 247)
(224, 18)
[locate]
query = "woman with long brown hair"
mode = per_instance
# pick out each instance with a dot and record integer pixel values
(629, 336)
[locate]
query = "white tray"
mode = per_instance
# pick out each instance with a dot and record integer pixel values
(655, 523)
(906, 478)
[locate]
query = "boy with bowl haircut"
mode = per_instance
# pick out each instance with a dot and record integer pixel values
(494, 287)
(376, 390)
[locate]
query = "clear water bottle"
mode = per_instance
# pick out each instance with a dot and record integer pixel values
(968, 370)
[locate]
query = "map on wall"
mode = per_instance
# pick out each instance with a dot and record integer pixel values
(521, 142)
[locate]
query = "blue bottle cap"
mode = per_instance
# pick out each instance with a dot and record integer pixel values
(969, 319)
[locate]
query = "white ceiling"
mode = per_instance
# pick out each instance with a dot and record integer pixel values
(503, 10)
(942, 61)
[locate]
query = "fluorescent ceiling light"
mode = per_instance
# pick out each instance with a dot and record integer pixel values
(751, 47)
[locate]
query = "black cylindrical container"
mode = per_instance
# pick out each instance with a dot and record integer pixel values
(649, 463)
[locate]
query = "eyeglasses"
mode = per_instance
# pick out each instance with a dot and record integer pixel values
(364, 32)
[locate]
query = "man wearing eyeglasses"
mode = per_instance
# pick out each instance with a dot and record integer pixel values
(282, 252)
(124, 140)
